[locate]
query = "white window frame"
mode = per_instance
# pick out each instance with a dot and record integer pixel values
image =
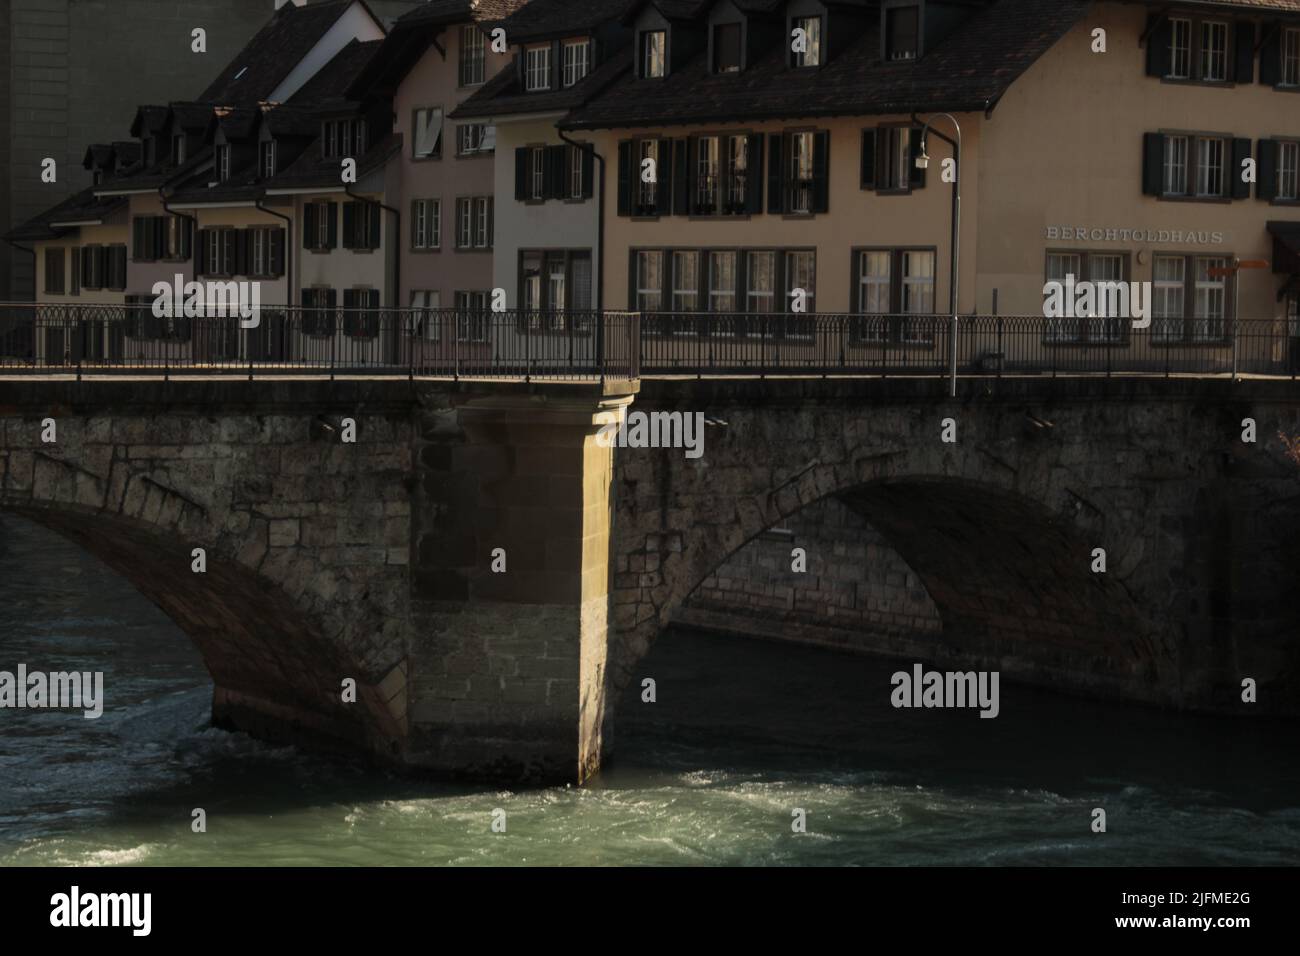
(1290, 50)
(799, 191)
(1288, 170)
(473, 53)
(223, 162)
(423, 303)
(268, 158)
(654, 54)
(1211, 164)
(812, 27)
(537, 172)
(1167, 323)
(1209, 323)
(1180, 29)
(537, 68)
(576, 61)
(917, 292)
(760, 301)
(576, 184)
(650, 298)
(1175, 165)
(434, 125)
(1214, 62)
(722, 299)
(708, 185)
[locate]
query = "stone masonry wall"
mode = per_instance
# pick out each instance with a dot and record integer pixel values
(856, 588)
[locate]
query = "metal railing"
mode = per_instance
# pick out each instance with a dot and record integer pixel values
(590, 346)
(451, 343)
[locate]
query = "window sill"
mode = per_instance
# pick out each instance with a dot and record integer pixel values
(426, 159)
(1210, 200)
(486, 249)
(799, 216)
(425, 250)
(1190, 81)
(1292, 203)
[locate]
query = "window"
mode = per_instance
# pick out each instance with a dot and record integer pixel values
(649, 281)
(1195, 166)
(361, 316)
(577, 184)
(1211, 300)
(1288, 171)
(1214, 51)
(223, 163)
(537, 68)
(268, 159)
(726, 48)
(874, 283)
(361, 225)
(178, 148)
(799, 186)
(330, 141)
(902, 33)
(760, 297)
(897, 158)
(260, 244)
(537, 172)
(918, 294)
(1175, 165)
(474, 222)
(556, 281)
(343, 138)
(93, 262)
(1180, 49)
(222, 251)
(471, 316)
(320, 303)
(1097, 267)
(1209, 167)
(426, 224)
(706, 176)
(472, 56)
(686, 281)
(427, 142)
(810, 51)
(1107, 267)
(654, 49)
(647, 192)
(1290, 74)
(801, 275)
(475, 138)
(1168, 280)
(54, 272)
(319, 225)
(1195, 311)
(737, 173)
(178, 233)
(424, 306)
(576, 60)
(722, 282)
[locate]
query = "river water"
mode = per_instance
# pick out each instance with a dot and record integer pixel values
(743, 733)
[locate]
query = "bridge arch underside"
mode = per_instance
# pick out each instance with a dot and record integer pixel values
(277, 676)
(1013, 587)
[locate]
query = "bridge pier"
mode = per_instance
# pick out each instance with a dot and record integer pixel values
(511, 587)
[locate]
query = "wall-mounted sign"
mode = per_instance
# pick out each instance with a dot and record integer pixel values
(1110, 234)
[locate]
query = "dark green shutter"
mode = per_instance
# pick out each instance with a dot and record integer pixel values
(521, 174)
(309, 225)
(915, 176)
(350, 225)
(332, 211)
(1160, 41)
(1240, 153)
(775, 177)
(588, 173)
(244, 252)
(1153, 160)
(229, 251)
(120, 278)
(374, 226)
(1244, 64)
(1270, 55)
(1266, 174)
(138, 250)
(821, 172)
(159, 230)
(277, 252)
(753, 175)
(681, 177)
(625, 177)
(867, 176)
(557, 167)
(201, 267)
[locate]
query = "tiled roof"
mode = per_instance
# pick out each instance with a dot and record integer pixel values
(548, 19)
(158, 175)
(149, 119)
(967, 71)
(1260, 6)
(191, 116)
(504, 95)
(454, 11)
(329, 86)
(271, 55)
(310, 170)
(80, 207)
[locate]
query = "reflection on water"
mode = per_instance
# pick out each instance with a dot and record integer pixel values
(743, 733)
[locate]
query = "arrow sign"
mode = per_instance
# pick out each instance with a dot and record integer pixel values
(1220, 272)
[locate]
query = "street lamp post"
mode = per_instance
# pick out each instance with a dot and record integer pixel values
(923, 162)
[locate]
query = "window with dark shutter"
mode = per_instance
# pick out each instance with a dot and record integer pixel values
(726, 48)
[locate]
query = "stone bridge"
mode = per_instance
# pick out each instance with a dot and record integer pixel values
(491, 575)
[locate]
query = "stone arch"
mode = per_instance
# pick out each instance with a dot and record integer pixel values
(1020, 506)
(276, 627)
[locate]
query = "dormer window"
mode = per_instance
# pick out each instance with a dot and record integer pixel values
(343, 138)
(903, 33)
(537, 68)
(577, 60)
(98, 177)
(807, 42)
(726, 48)
(268, 159)
(654, 54)
(178, 148)
(223, 163)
